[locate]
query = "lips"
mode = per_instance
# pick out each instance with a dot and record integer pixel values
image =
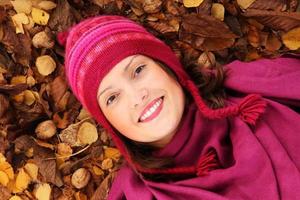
(149, 106)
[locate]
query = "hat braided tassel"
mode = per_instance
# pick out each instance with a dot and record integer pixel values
(249, 109)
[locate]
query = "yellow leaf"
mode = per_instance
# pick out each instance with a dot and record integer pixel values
(192, 3)
(110, 152)
(30, 81)
(18, 20)
(47, 5)
(42, 191)
(29, 152)
(244, 4)
(32, 170)
(19, 98)
(29, 97)
(291, 39)
(18, 79)
(39, 16)
(3, 178)
(30, 24)
(7, 168)
(218, 11)
(16, 197)
(12, 186)
(22, 180)
(80, 196)
(87, 133)
(45, 65)
(107, 164)
(98, 171)
(2, 158)
(80, 178)
(22, 6)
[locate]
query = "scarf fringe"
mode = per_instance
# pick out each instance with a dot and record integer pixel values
(251, 107)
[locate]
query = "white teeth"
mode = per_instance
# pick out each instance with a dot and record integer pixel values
(151, 110)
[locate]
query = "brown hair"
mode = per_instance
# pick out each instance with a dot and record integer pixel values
(211, 87)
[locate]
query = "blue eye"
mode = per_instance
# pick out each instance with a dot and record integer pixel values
(139, 69)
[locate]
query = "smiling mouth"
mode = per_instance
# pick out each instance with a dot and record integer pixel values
(153, 111)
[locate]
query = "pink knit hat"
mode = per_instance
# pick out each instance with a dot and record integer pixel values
(95, 45)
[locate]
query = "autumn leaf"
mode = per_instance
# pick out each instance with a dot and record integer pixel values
(275, 19)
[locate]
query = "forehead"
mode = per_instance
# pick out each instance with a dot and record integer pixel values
(119, 69)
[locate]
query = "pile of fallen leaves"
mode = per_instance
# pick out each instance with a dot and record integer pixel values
(50, 147)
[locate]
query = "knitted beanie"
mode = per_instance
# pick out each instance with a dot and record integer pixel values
(96, 44)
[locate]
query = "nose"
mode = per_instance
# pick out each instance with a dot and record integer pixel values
(139, 97)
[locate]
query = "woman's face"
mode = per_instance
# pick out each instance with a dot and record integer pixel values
(141, 100)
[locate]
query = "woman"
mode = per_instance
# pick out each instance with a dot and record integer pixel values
(176, 146)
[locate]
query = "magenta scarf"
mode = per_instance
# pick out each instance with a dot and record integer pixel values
(255, 163)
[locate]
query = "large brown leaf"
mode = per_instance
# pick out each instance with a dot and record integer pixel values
(279, 5)
(275, 19)
(206, 26)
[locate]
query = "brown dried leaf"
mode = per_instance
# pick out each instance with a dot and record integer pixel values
(149, 6)
(63, 16)
(275, 19)
(102, 191)
(18, 44)
(12, 89)
(273, 43)
(205, 7)
(4, 193)
(165, 27)
(61, 122)
(278, 5)
(253, 36)
(4, 103)
(172, 8)
(207, 60)
(206, 26)
(215, 44)
(23, 143)
(27, 114)
(58, 88)
(47, 168)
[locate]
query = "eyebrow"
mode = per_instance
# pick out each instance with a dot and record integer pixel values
(125, 69)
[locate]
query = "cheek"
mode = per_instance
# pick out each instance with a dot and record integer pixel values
(119, 118)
